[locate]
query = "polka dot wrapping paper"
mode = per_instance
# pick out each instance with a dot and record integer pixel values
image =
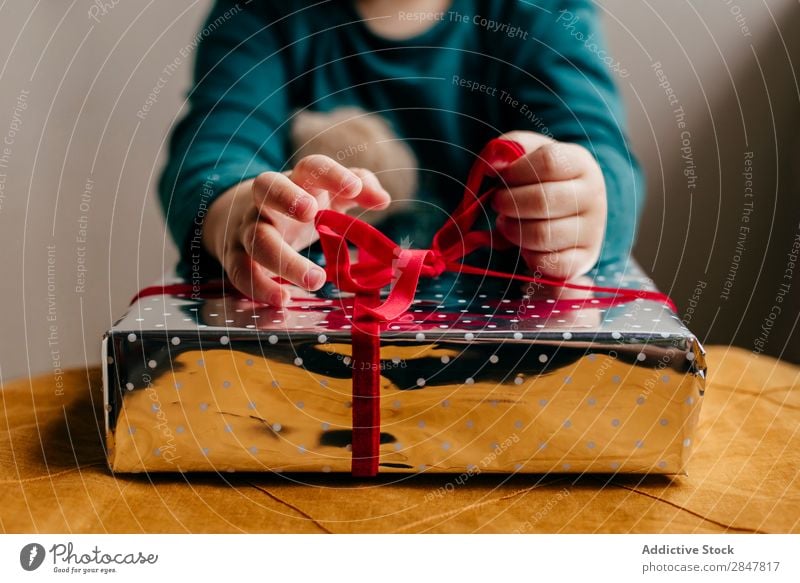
(480, 375)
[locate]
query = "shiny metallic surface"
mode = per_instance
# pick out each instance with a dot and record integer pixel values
(479, 376)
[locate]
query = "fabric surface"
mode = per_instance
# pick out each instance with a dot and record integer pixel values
(744, 476)
(445, 92)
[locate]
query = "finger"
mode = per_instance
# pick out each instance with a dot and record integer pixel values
(548, 200)
(275, 191)
(317, 172)
(264, 243)
(372, 196)
(544, 235)
(563, 265)
(252, 279)
(548, 163)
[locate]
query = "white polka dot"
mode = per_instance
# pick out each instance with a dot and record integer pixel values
(445, 359)
(470, 381)
(175, 340)
(494, 359)
(272, 339)
(298, 361)
(129, 386)
(517, 335)
(420, 336)
(567, 335)
(518, 380)
(690, 356)
(276, 427)
(420, 382)
(542, 358)
(469, 336)
(616, 335)
(224, 340)
(152, 363)
(641, 356)
(131, 337)
(347, 360)
(322, 339)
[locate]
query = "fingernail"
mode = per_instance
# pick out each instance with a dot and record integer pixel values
(277, 298)
(314, 278)
(351, 185)
(304, 206)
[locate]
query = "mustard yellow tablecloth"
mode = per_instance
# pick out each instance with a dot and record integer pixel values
(744, 476)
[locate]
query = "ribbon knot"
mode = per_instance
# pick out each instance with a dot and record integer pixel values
(435, 264)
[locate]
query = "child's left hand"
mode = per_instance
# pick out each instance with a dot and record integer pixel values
(553, 205)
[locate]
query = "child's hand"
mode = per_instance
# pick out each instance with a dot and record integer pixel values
(255, 229)
(553, 205)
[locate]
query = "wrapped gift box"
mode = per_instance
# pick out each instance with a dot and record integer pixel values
(480, 375)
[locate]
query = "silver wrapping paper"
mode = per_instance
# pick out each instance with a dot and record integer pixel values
(479, 376)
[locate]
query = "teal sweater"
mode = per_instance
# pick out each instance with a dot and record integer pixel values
(484, 68)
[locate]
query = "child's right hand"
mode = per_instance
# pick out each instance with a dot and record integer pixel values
(256, 228)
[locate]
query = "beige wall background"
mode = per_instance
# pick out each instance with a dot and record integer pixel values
(80, 231)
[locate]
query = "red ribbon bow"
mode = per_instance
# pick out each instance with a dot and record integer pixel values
(381, 263)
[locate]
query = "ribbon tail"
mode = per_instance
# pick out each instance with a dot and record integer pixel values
(366, 389)
(618, 293)
(402, 293)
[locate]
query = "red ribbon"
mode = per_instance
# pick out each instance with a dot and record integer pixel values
(381, 263)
